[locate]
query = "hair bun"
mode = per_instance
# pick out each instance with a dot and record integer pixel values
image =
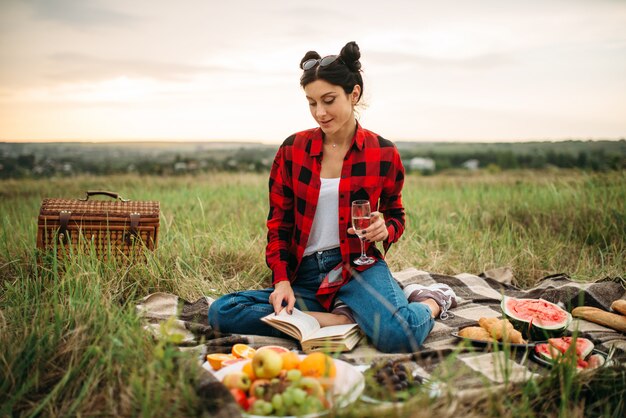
(308, 56)
(350, 55)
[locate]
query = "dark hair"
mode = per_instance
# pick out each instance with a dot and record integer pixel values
(344, 72)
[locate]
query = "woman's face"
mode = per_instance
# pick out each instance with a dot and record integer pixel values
(331, 107)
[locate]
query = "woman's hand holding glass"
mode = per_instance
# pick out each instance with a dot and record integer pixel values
(374, 228)
(377, 231)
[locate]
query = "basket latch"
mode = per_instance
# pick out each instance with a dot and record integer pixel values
(64, 218)
(134, 224)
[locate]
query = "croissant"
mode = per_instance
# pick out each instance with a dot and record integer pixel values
(501, 330)
(475, 333)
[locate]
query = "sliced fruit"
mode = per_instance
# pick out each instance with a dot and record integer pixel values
(232, 361)
(216, 360)
(536, 318)
(276, 348)
(243, 351)
(584, 347)
(595, 361)
(547, 352)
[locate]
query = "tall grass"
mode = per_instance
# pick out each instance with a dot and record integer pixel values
(72, 345)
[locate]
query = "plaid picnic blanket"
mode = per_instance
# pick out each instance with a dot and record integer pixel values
(477, 296)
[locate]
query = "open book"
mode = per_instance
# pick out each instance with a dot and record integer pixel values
(312, 337)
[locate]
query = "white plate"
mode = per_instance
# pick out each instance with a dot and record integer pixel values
(348, 386)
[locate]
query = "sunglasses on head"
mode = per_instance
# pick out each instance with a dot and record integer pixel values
(323, 62)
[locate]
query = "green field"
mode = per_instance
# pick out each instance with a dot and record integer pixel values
(73, 346)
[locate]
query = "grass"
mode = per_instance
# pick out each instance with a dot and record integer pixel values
(73, 346)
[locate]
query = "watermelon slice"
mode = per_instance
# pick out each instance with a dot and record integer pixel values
(537, 319)
(552, 354)
(584, 347)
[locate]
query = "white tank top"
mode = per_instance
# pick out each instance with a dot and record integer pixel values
(325, 229)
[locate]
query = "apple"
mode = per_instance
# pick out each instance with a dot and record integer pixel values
(267, 364)
(259, 387)
(237, 380)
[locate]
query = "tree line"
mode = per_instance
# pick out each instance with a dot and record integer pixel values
(40, 160)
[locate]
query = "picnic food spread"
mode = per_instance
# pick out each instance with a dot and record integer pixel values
(279, 382)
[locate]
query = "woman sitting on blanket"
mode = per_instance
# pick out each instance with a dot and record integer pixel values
(311, 248)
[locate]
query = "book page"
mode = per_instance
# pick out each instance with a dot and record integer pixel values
(346, 344)
(306, 324)
(331, 332)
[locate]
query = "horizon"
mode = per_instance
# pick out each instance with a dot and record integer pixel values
(488, 71)
(260, 142)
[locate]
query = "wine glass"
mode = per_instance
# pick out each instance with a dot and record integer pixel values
(361, 214)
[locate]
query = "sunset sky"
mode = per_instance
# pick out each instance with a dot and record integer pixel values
(483, 70)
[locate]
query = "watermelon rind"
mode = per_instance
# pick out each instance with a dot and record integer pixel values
(545, 351)
(533, 329)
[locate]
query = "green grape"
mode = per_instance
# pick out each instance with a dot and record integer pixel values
(288, 397)
(277, 401)
(299, 396)
(294, 375)
(259, 407)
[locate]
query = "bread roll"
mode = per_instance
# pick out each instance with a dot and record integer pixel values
(619, 306)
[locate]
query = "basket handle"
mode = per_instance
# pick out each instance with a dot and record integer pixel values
(113, 195)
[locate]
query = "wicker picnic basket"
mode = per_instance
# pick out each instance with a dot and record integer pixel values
(119, 229)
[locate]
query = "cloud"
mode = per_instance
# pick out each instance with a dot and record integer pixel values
(400, 59)
(82, 67)
(79, 13)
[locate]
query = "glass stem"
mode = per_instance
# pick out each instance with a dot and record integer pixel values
(362, 248)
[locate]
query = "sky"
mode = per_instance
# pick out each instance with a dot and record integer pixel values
(464, 70)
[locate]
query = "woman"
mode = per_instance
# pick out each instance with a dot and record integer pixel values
(311, 247)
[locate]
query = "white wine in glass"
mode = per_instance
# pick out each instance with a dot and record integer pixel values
(361, 215)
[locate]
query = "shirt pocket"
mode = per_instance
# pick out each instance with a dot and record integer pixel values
(359, 192)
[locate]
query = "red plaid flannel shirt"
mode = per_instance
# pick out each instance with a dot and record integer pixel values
(372, 170)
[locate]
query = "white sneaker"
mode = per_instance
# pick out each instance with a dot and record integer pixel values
(439, 292)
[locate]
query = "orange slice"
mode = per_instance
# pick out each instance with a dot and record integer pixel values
(243, 351)
(216, 359)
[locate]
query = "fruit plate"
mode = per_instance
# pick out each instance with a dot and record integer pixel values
(549, 363)
(489, 344)
(348, 385)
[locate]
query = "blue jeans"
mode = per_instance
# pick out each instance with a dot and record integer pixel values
(378, 304)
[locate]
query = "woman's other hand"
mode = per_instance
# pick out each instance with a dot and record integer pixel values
(282, 292)
(377, 231)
